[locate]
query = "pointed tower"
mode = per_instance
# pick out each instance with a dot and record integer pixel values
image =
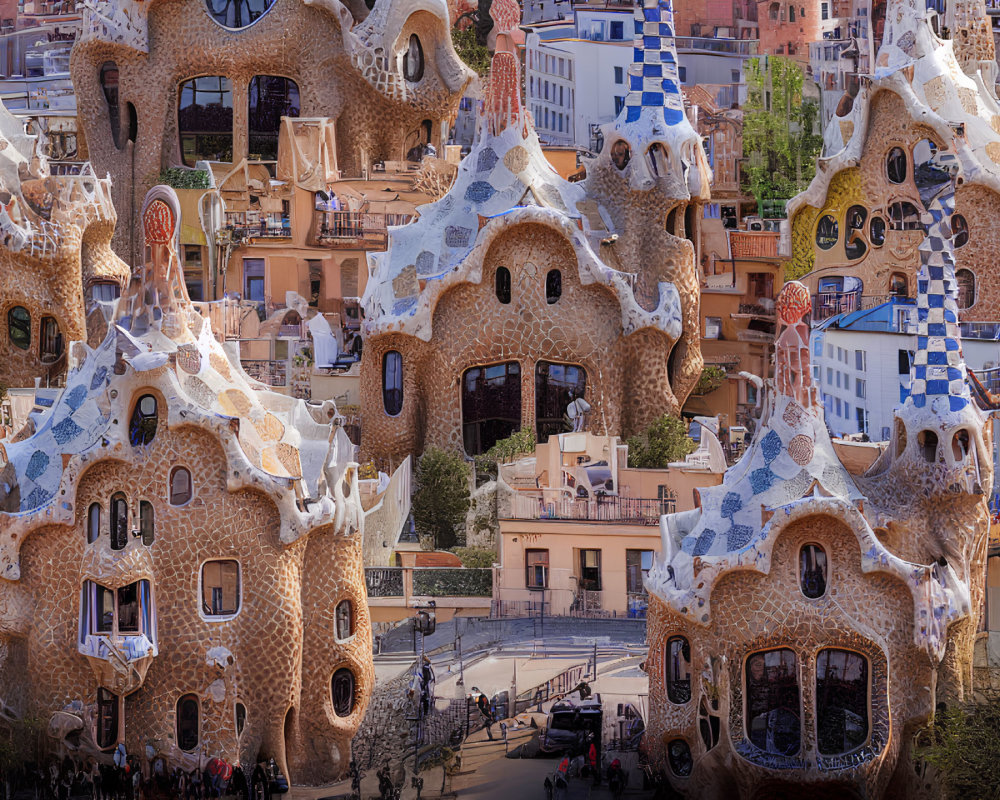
(973, 38)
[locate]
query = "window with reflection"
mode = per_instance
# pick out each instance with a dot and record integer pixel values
(146, 522)
(895, 165)
(125, 611)
(93, 523)
(959, 230)
(966, 280)
(876, 231)
(903, 216)
(413, 60)
(812, 571)
(392, 382)
(142, 426)
(553, 286)
(827, 232)
(220, 588)
(205, 119)
(237, 13)
(679, 758)
(491, 405)
(105, 291)
(678, 666)
(107, 719)
(180, 486)
(119, 521)
(556, 386)
(772, 702)
(855, 245)
(503, 285)
(536, 569)
(187, 722)
(271, 98)
(841, 701)
(109, 85)
(342, 689)
(19, 327)
(345, 619)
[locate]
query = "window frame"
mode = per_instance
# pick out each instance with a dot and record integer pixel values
(116, 717)
(530, 585)
(354, 692)
(20, 326)
(352, 621)
(89, 622)
(417, 74)
(825, 570)
(400, 404)
(115, 533)
(868, 698)
(668, 681)
(745, 678)
(226, 615)
(260, 16)
(257, 87)
(182, 131)
(47, 337)
(94, 528)
(143, 421)
(170, 484)
(177, 722)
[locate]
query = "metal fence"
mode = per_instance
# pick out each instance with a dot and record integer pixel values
(384, 581)
(629, 510)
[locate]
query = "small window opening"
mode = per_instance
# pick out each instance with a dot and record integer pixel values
(180, 486)
(960, 444)
(679, 758)
(142, 427)
(678, 670)
(927, 441)
(553, 286)
(812, 571)
(119, 521)
(895, 165)
(19, 327)
(220, 588)
(503, 285)
(93, 523)
(342, 689)
(621, 154)
(187, 722)
(959, 230)
(413, 60)
(345, 620)
(146, 522)
(241, 718)
(392, 382)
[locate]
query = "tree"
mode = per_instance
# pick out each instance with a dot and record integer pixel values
(663, 442)
(779, 144)
(963, 745)
(441, 498)
(474, 54)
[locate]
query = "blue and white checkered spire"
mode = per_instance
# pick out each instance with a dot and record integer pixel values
(652, 76)
(938, 367)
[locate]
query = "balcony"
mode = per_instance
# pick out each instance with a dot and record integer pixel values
(755, 244)
(606, 508)
(245, 226)
(750, 335)
(736, 47)
(353, 229)
(271, 373)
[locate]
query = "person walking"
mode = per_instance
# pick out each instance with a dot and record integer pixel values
(484, 709)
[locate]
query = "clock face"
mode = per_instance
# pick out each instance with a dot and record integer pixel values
(236, 14)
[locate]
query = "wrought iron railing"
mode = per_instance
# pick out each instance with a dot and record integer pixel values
(384, 581)
(606, 508)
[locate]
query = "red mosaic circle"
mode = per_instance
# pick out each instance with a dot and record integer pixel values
(801, 449)
(793, 302)
(158, 223)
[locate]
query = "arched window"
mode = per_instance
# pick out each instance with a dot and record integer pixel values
(679, 758)
(503, 285)
(855, 245)
(895, 165)
(927, 442)
(392, 382)
(876, 231)
(678, 668)
(119, 521)
(241, 718)
(553, 286)
(237, 14)
(180, 486)
(345, 620)
(791, 13)
(960, 445)
(187, 722)
(413, 60)
(841, 701)
(342, 689)
(772, 702)
(220, 588)
(959, 230)
(898, 285)
(146, 522)
(205, 119)
(93, 523)
(903, 216)
(107, 719)
(923, 152)
(966, 280)
(621, 154)
(556, 386)
(659, 159)
(133, 122)
(772, 11)
(19, 327)
(50, 340)
(109, 85)
(827, 232)
(812, 571)
(491, 405)
(142, 427)
(271, 97)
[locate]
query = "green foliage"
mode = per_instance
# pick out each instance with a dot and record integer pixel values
(180, 178)
(711, 378)
(506, 450)
(441, 496)
(20, 742)
(664, 441)
(778, 140)
(476, 56)
(963, 745)
(452, 582)
(476, 557)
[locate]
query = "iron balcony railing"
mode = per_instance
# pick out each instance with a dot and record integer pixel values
(606, 508)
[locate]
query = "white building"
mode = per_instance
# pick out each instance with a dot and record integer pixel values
(861, 362)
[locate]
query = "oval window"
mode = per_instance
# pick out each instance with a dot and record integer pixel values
(19, 327)
(119, 521)
(895, 165)
(876, 231)
(345, 620)
(413, 60)
(827, 232)
(959, 230)
(392, 382)
(812, 571)
(93, 523)
(180, 486)
(855, 246)
(841, 701)
(142, 427)
(342, 688)
(241, 718)
(503, 285)
(553, 286)
(146, 521)
(236, 14)
(678, 665)
(679, 758)
(621, 154)
(187, 722)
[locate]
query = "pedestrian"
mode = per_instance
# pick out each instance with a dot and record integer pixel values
(592, 763)
(484, 709)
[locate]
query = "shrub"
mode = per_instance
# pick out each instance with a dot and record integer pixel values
(663, 442)
(476, 556)
(180, 178)
(441, 497)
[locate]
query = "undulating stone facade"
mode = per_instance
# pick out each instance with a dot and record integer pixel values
(180, 561)
(805, 623)
(517, 271)
(357, 67)
(857, 226)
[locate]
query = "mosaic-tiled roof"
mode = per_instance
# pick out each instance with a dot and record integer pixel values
(654, 83)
